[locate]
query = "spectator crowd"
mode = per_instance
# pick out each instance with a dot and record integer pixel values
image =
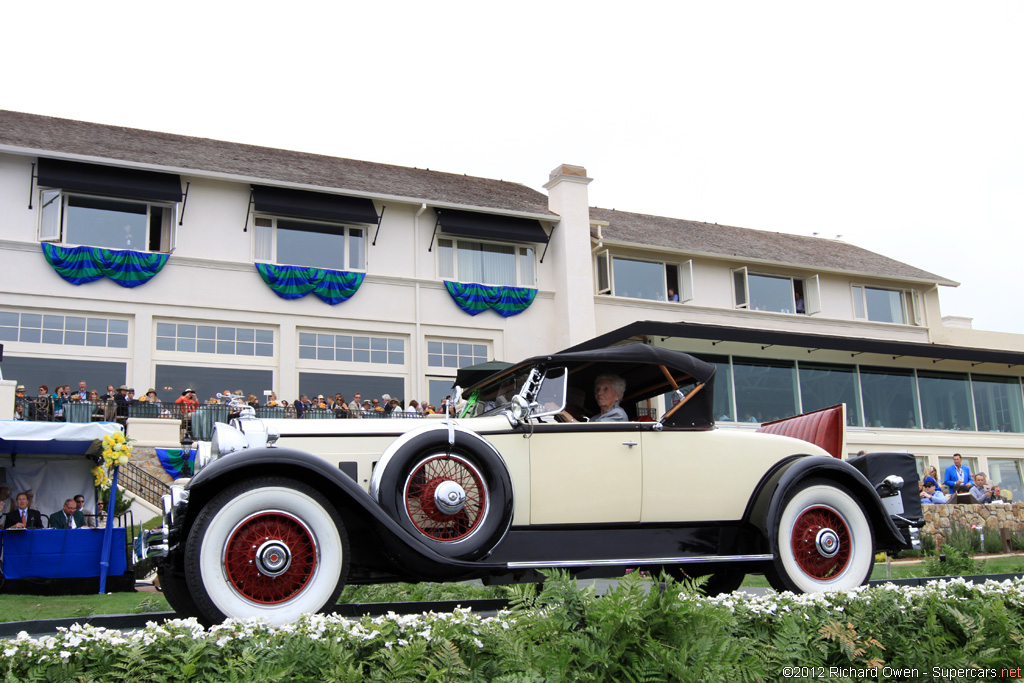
(84, 404)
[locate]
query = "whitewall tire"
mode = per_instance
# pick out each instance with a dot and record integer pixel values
(824, 540)
(269, 547)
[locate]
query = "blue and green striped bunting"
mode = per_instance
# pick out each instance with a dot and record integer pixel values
(506, 301)
(294, 282)
(80, 265)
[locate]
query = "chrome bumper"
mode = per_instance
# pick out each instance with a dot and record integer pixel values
(156, 542)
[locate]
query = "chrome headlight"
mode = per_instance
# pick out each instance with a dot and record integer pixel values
(226, 439)
(520, 408)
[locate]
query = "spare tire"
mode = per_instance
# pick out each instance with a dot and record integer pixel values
(455, 497)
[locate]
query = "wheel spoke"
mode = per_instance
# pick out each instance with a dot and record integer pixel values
(422, 508)
(270, 558)
(821, 542)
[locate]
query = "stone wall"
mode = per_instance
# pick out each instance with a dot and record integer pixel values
(939, 519)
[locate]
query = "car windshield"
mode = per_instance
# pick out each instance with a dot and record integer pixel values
(493, 396)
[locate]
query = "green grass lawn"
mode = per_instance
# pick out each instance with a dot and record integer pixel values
(27, 607)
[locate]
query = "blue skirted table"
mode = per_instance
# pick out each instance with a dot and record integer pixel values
(59, 553)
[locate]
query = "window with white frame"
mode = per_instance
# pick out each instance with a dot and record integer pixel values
(109, 223)
(351, 348)
(453, 354)
(291, 242)
(776, 293)
(641, 279)
(486, 263)
(66, 330)
(898, 306)
(222, 340)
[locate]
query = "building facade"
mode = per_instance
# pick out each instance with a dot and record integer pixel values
(172, 262)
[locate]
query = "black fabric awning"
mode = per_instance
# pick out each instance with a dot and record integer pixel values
(322, 206)
(800, 340)
(490, 226)
(109, 180)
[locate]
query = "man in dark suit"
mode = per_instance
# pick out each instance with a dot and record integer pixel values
(22, 517)
(67, 518)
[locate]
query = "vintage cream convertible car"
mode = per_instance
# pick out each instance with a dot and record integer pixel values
(281, 514)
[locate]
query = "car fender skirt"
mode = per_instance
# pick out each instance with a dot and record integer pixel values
(410, 556)
(448, 487)
(766, 505)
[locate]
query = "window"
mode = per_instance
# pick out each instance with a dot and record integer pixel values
(348, 348)
(997, 401)
(104, 222)
(1007, 475)
(637, 279)
(886, 305)
(945, 400)
(171, 380)
(944, 462)
(67, 330)
(451, 354)
(823, 385)
(214, 339)
(487, 263)
(290, 242)
(765, 389)
(777, 293)
(890, 398)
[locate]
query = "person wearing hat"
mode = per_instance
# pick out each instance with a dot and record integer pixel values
(121, 403)
(188, 401)
(930, 494)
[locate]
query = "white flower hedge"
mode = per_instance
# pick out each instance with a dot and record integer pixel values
(565, 633)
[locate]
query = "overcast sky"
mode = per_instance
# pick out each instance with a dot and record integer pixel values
(897, 125)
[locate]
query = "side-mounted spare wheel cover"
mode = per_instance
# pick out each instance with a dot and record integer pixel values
(448, 487)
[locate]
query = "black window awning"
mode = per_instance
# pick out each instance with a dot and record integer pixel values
(110, 181)
(491, 226)
(316, 205)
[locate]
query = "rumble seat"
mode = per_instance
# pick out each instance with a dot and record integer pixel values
(824, 428)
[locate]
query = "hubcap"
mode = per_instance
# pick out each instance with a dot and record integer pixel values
(270, 557)
(449, 497)
(273, 558)
(827, 543)
(821, 542)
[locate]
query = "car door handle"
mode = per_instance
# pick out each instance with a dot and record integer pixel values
(629, 443)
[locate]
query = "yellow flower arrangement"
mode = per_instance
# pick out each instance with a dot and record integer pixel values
(100, 478)
(116, 450)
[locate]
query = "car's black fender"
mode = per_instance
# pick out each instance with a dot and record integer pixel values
(357, 508)
(766, 504)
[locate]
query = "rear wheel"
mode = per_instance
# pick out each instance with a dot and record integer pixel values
(823, 541)
(268, 547)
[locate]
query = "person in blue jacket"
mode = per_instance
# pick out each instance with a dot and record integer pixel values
(957, 474)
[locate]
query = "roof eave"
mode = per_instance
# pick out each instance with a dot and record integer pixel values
(239, 178)
(785, 264)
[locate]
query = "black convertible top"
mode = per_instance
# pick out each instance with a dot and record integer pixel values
(641, 366)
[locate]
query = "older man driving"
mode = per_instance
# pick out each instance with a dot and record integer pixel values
(608, 390)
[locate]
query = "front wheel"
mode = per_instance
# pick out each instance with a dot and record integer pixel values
(268, 547)
(823, 541)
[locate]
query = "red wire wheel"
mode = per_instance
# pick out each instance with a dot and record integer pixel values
(821, 542)
(270, 557)
(449, 473)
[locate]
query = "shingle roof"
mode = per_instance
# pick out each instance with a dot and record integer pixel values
(746, 244)
(201, 155)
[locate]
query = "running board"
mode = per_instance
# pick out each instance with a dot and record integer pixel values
(702, 559)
